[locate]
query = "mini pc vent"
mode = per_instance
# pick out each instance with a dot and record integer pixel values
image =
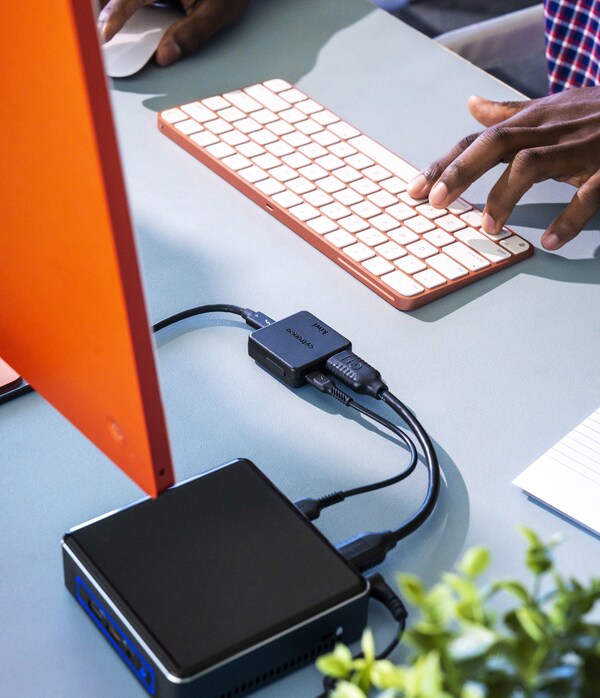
(326, 645)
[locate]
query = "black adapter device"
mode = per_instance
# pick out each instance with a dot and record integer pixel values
(217, 587)
(297, 345)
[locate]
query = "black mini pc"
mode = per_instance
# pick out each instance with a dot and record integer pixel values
(215, 588)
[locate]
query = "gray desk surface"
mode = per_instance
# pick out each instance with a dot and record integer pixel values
(497, 372)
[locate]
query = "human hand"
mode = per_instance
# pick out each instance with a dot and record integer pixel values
(555, 137)
(185, 36)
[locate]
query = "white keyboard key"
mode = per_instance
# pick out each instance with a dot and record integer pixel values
(331, 185)
(218, 126)
(353, 224)
(188, 127)
(304, 212)
(343, 130)
(300, 185)
(382, 199)
(280, 127)
(312, 172)
(309, 127)
(439, 238)
(365, 186)
(283, 173)
(403, 236)
(359, 161)
(199, 112)
(287, 199)
(408, 199)
(253, 174)
(447, 266)
(482, 244)
(377, 173)
(496, 237)
(410, 264)
(342, 149)
(220, 150)
(401, 211)
(472, 218)
(329, 162)
(318, 198)
(515, 245)
(266, 98)
(348, 174)
(466, 256)
(234, 138)
(325, 118)
(296, 160)
(325, 138)
(420, 224)
(359, 252)
(348, 197)
(247, 125)
(204, 138)
(378, 266)
(450, 223)
(313, 150)
(266, 161)
(277, 85)
(371, 237)
(242, 101)
(292, 95)
(384, 222)
(309, 107)
(263, 137)
(264, 116)
(341, 239)
(430, 278)
(459, 206)
(384, 157)
(394, 185)
(236, 162)
(250, 149)
(292, 116)
(335, 211)
(270, 186)
(402, 284)
(231, 114)
(390, 250)
(215, 103)
(296, 139)
(366, 209)
(322, 225)
(280, 148)
(421, 249)
(429, 212)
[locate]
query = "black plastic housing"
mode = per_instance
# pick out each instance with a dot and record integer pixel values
(215, 588)
(292, 347)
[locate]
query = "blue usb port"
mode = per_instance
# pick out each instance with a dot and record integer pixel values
(115, 636)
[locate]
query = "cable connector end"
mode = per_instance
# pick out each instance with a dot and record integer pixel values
(366, 550)
(256, 319)
(325, 384)
(356, 373)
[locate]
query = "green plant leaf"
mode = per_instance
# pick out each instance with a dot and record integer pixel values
(532, 623)
(475, 561)
(473, 641)
(344, 689)
(337, 664)
(411, 588)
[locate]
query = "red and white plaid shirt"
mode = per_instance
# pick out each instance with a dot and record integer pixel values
(572, 43)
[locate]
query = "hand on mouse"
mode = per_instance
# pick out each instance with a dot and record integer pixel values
(555, 137)
(185, 36)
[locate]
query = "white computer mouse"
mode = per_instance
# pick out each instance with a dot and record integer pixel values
(133, 46)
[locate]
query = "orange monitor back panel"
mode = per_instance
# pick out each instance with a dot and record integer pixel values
(73, 320)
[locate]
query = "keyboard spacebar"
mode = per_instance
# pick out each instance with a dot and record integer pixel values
(383, 157)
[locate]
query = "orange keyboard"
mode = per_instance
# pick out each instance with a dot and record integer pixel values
(341, 191)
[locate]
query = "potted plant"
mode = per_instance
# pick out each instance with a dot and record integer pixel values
(462, 646)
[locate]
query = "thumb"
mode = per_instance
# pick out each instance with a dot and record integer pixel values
(189, 34)
(489, 113)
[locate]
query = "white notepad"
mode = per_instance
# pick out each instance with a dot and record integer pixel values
(567, 477)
